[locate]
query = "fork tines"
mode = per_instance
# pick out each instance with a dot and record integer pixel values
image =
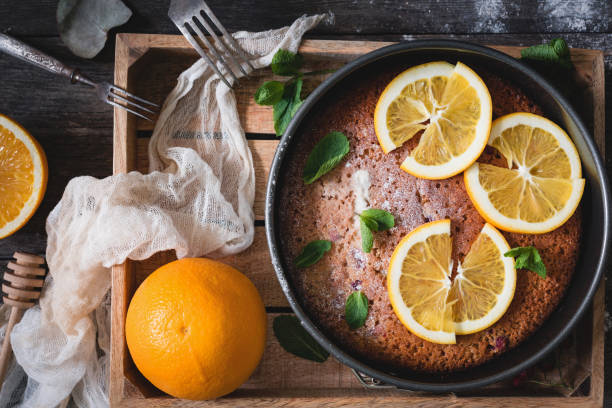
(190, 18)
(130, 102)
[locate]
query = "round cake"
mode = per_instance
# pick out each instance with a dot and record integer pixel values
(368, 178)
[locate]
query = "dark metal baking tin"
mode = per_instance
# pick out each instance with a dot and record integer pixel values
(595, 205)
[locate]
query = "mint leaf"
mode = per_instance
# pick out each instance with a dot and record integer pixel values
(296, 340)
(367, 239)
(381, 218)
(356, 310)
(325, 156)
(312, 253)
(555, 52)
(287, 106)
(373, 220)
(286, 63)
(528, 258)
(560, 47)
(269, 93)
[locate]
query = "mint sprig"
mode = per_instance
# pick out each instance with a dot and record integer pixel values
(288, 104)
(528, 258)
(285, 98)
(296, 340)
(356, 310)
(555, 52)
(312, 253)
(326, 154)
(373, 220)
(269, 93)
(286, 63)
(367, 238)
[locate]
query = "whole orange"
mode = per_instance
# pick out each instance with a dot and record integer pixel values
(196, 328)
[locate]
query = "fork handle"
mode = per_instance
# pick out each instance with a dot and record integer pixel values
(24, 52)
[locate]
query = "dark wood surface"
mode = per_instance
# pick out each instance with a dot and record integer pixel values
(75, 129)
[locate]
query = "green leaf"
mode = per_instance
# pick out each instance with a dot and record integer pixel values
(373, 220)
(555, 52)
(367, 239)
(356, 310)
(560, 47)
(286, 63)
(296, 340)
(287, 106)
(269, 93)
(325, 156)
(528, 258)
(381, 218)
(312, 253)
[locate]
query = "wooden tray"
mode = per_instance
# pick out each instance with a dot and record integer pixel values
(148, 65)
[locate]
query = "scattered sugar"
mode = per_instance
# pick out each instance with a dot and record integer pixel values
(607, 321)
(491, 14)
(360, 183)
(571, 15)
(359, 258)
(329, 18)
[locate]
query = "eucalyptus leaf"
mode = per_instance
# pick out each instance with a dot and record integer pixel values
(356, 310)
(83, 24)
(296, 340)
(327, 153)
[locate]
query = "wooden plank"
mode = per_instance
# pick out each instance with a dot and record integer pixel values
(365, 17)
(599, 300)
(315, 398)
(122, 280)
(262, 276)
(124, 126)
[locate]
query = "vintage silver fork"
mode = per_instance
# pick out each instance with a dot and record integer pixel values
(109, 93)
(190, 18)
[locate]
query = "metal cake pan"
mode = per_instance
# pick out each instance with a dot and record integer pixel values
(595, 204)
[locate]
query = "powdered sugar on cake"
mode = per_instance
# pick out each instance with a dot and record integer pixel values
(360, 182)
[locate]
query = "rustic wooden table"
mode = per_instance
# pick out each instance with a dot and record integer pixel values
(76, 130)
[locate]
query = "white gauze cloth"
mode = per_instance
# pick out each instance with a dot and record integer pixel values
(197, 200)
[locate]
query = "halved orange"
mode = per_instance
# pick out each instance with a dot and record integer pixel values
(23, 176)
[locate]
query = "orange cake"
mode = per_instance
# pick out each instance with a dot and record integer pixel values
(368, 178)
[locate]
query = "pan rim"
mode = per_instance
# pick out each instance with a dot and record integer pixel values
(314, 97)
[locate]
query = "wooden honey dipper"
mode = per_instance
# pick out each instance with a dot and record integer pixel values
(21, 292)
